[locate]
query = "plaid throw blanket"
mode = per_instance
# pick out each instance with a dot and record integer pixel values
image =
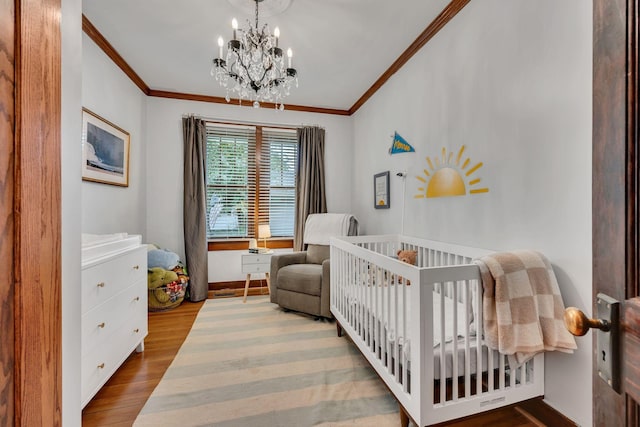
(522, 305)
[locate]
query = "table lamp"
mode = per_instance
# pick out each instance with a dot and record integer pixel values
(264, 232)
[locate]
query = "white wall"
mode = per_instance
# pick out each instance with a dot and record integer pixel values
(71, 127)
(510, 80)
(164, 168)
(108, 92)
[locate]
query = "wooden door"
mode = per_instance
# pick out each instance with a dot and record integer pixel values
(30, 213)
(616, 210)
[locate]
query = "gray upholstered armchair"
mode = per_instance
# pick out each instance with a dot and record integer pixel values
(300, 281)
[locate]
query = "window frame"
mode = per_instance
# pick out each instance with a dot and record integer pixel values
(240, 243)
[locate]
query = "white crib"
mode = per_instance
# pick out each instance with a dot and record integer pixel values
(416, 325)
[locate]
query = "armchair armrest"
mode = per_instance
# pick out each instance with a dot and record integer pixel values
(325, 302)
(279, 261)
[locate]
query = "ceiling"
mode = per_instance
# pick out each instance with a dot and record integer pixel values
(341, 47)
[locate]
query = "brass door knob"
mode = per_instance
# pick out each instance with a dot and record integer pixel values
(579, 324)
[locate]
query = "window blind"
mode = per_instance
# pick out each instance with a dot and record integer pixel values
(231, 183)
(251, 173)
(278, 180)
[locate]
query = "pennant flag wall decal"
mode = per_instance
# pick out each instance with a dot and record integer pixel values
(400, 145)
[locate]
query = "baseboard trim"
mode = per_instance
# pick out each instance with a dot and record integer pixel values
(236, 289)
(236, 284)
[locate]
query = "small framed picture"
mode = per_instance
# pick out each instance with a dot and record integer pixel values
(381, 190)
(105, 151)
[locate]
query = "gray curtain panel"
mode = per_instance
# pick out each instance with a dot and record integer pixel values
(310, 189)
(195, 232)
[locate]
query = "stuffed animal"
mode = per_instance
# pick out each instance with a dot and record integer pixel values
(410, 258)
(157, 281)
(162, 258)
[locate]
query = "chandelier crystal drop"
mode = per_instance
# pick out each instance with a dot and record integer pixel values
(254, 66)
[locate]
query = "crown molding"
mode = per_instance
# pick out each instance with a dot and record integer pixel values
(432, 29)
(244, 103)
(97, 37)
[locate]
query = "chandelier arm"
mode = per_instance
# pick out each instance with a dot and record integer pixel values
(245, 68)
(220, 64)
(265, 72)
(257, 1)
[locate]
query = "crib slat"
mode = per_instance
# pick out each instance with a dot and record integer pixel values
(374, 311)
(454, 355)
(502, 373)
(367, 315)
(443, 366)
(491, 355)
(395, 332)
(479, 342)
(387, 323)
(405, 363)
(467, 335)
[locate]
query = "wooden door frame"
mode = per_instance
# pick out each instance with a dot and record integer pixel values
(30, 167)
(616, 240)
(7, 120)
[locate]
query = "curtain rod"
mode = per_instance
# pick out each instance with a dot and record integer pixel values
(247, 122)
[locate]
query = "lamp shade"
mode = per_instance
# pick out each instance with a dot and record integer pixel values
(264, 231)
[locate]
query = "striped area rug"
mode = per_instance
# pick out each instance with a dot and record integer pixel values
(249, 365)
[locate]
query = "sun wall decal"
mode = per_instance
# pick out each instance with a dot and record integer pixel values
(447, 175)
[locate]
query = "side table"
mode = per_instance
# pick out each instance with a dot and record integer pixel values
(256, 263)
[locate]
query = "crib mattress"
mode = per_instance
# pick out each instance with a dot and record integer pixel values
(390, 335)
(460, 359)
(385, 314)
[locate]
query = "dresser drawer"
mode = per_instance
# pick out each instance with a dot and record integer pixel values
(102, 361)
(104, 280)
(256, 259)
(103, 320)
(256, 268)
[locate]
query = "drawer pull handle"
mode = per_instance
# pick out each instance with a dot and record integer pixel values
(101, 325)
(136, 330)
(101, 366)
(101, 285)
(135, 267)
(136, 299)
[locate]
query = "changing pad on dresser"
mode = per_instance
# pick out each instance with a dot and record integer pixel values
(97, 246)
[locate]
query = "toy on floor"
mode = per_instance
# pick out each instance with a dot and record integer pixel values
(166, 286)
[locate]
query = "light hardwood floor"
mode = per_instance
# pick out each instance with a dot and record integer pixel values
(118, 403)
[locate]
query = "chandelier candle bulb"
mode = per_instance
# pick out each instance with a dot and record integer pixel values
(220, 44)
(276, 33)
(289, 55)
(234, 25)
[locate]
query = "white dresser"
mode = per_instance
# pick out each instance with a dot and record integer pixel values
(114, 313)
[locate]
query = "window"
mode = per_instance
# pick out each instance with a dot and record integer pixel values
(251, 174)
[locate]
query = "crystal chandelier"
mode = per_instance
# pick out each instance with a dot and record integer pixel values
(254, 67)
